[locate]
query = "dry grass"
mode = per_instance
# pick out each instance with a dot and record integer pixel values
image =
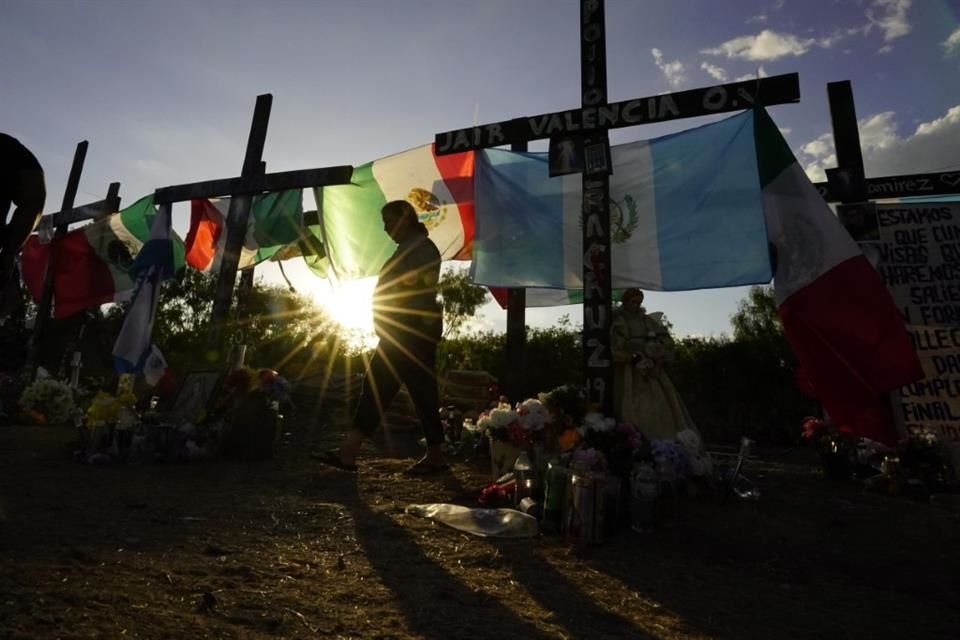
(287, 549)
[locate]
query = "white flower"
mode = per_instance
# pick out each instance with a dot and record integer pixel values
(690, 440)
(594, 421)
(700, 465)
(533, 415)
(498, 418)
(52, 398)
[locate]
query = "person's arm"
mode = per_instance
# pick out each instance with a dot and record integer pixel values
(29, 196)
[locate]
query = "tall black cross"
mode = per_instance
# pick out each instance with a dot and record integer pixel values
(585, 129)
(252, 181)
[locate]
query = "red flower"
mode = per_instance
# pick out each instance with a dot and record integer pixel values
(812, 427)
(517, 434)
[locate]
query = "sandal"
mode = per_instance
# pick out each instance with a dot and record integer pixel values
(424, 468)
(332, 459)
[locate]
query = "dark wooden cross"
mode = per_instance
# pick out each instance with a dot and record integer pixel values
(253, 180)
(586, 130)
(60, 222)
(848, 185)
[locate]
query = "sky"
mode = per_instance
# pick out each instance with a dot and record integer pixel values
(164, 91)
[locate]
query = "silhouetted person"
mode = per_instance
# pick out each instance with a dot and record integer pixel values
(21, 185)
(409, 322)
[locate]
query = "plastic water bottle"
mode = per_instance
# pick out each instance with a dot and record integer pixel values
(523, 474)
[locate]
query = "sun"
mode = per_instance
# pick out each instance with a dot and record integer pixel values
(349, 304)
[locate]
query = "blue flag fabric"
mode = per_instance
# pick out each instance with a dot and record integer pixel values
(153, 264)
(686, 212)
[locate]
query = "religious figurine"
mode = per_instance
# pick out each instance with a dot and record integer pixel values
(643, 393)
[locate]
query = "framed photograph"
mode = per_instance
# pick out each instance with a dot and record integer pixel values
(195, 393)
(861, 220)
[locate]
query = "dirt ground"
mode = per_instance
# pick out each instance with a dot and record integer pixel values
(288, 549)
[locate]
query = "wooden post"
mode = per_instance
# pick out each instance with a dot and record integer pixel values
(236, 222)
(849, 178)
(46, 298)
(515, 351)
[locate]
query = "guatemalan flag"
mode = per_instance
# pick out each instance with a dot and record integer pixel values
(153, 264)
(686, 212)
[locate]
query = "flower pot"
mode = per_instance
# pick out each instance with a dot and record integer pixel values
(502, 456)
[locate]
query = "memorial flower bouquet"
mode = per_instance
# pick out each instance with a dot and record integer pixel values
(590, 458)
(837, 446)
(618, 442)
(565, 404)
(49, 401)
(106, 409)
(670, 460)
(535, 418)
(699, 461)
(923, 457)
(503, 423)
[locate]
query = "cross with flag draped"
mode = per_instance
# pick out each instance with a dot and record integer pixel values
(252, 181)
(590, 123)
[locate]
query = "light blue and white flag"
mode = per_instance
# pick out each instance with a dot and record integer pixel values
(686, 212)
(153, 264)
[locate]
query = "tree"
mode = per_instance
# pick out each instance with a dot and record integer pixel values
(756, 316)
(460, 297)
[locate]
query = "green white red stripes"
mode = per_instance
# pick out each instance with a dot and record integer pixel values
(440, 188)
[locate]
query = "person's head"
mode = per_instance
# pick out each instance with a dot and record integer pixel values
(399, 219)
(632, 299)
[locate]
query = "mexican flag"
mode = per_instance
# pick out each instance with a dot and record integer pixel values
(440, 188)
(837, 314)
(91, 264)
(276, 220)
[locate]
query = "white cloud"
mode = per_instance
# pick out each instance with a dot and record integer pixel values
(757, 18)
(717, 73)
(784, 131)
(952, 43)
(761, 72)
(885, 49)
(766, 45)
(672, 70)
(930, 148)
(831, 40)
(940, 126)
(891, 17)
(878, 131)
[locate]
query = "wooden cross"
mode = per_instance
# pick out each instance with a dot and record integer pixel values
(587, 128)
(848, 182)
(253, 180)
(60, 221)
(848, 185)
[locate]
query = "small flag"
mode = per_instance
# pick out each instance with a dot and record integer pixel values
(153, 264)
